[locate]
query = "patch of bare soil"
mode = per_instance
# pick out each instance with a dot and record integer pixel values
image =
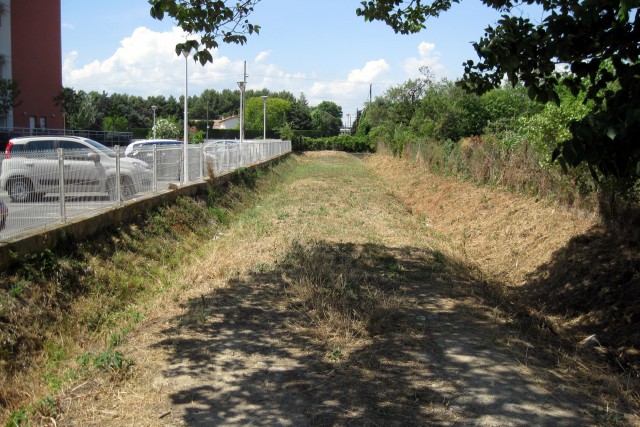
(329, 303)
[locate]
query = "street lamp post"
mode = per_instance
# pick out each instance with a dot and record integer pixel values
(264, 118)
(186, 118)
(153, 107)
(242, 85)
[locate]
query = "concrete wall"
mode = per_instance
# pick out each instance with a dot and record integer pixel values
(80, 228)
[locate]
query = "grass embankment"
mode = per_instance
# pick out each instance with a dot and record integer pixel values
(64, 313)
(331, 274)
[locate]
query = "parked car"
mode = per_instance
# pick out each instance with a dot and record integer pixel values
(145, 145)
(168, 152)
(222, 154)
(31, 168)
(4, 214)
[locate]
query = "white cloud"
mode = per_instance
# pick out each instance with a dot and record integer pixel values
(68, 26)
(145, 64)
(262, 56)
(370, 72)
(353, 91)
(429, 57)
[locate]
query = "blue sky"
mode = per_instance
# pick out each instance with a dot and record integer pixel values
(319, 47)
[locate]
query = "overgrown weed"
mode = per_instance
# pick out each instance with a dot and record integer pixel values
(331, 286)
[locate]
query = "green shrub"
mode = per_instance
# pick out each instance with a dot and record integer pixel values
(348, 143)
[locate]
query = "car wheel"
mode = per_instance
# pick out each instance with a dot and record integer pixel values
(4, 213)
(20, 190)
(127, 191)
(111, 189)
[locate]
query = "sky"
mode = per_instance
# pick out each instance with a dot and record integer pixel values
(316, 47)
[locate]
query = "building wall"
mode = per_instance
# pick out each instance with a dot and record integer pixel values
(36, 61)
(230, 123)
(5, 52)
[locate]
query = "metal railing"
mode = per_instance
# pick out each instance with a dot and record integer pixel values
(45, 188)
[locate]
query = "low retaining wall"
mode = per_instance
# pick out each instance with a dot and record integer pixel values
(82, 227)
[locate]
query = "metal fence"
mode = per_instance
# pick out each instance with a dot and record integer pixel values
(31, 189)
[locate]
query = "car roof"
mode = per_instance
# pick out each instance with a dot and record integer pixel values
(218, 141)
(156, 141)
(44, 137)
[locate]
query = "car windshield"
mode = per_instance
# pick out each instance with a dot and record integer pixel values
(106, 150)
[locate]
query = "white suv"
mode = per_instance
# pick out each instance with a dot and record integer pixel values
(31, 168)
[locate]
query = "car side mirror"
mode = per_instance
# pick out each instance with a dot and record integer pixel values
(94, 156)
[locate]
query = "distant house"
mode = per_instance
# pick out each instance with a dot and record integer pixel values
(30, 54)
(232, 122)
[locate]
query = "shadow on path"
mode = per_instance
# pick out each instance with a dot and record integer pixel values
(250, 355)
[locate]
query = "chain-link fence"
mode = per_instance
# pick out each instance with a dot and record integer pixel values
(47, 187)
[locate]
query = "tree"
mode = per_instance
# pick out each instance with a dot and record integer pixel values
(276, 112)
(332, 108)
(325, 122)
(210, 20)
(300, 114)
(115, 124)
(599, 41)
(85, 116)
(69, 101)
(167, 128)
(9, 94)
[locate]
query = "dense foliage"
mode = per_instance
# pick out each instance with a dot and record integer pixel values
(211, 20)
(9, 94)
(276, 110)
(599, 41)
(347, 143)
(122, 112)
(501, 138)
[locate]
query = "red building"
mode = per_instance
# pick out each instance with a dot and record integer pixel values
(30, 54)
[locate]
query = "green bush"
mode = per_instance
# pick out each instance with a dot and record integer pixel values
(348, 143)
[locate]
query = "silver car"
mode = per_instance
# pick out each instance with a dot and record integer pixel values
(168, 157)
(31, 169)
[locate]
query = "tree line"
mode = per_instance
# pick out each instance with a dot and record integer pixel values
(121, 112)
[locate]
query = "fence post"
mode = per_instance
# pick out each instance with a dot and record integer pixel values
(202, 162)
(183, 178)
(118, 189)
(62, 197)
(155, 169)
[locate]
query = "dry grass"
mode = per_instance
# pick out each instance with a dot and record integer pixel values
(557, 270)
(507, 236)
(336, 296)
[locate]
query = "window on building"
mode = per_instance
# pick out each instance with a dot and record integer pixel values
(43, 122)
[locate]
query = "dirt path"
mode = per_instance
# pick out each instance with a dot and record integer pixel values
(241, 345)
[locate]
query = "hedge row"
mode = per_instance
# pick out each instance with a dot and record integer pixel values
(348, 143)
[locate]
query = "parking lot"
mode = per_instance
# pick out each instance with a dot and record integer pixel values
(49, 209)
